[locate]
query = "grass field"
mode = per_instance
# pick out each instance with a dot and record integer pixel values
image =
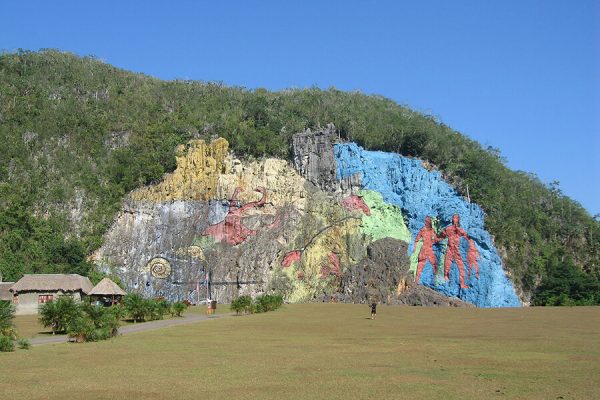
(329, 351)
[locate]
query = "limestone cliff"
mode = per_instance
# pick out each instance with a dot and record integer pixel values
(220, 227)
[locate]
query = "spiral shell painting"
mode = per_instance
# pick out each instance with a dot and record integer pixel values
(159, 267)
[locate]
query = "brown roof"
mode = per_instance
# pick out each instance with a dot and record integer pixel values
(107, 287)
(52, 282)
(5, 294)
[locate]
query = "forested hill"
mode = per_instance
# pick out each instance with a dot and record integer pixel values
(78, 135)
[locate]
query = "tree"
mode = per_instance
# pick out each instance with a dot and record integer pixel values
(7, 314)
(57, 314)
(136, 306)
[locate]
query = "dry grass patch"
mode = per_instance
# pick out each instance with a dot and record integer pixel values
(330, 351)
(29, 327)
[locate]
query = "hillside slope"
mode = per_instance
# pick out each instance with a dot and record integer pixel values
(78, 135)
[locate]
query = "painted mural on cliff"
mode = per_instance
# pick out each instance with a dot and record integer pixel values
(422, 196)
(248, 227)
(221, 222)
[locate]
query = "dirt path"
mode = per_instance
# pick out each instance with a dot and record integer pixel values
(141, 327)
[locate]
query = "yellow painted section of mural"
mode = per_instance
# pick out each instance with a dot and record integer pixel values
(207, 171)
(325, 232)
(196, 176)
(307, 276)
(283, 184)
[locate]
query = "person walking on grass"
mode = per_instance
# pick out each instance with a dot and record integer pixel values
(373, 310)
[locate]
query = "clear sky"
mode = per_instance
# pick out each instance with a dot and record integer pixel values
(519, 75)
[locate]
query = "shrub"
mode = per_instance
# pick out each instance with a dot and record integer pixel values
(24, 344)
(57, 314)
(178, 308)
(242, 303)
(6, 343)
(110, 323)
(104, 319)
(267, 302)
(136, 306)
(94, 312)
(156, 308)
(7, 314)
(98, 334)
(119, 311)
(81, 328)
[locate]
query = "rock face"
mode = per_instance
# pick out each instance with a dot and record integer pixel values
(315, 160)
(385, 276)
(330, 227)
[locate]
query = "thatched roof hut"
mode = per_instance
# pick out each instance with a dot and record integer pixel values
(52, 282)
(106, 287)
(33, 290)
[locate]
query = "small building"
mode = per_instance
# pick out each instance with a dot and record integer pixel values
(32, 290)
(107, 292)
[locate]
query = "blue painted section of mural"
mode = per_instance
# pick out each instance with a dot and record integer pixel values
(419, 193)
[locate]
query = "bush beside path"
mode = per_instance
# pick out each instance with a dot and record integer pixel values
(139, 327)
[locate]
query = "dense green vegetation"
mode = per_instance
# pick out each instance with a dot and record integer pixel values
(58, 314)
(8, 333)
(77, 135)
(262, 303)
(142, 309)
(84, 322)
(7, 314)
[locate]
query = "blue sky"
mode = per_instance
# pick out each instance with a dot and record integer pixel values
(522, 76)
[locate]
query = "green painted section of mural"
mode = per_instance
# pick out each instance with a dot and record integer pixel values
(414, 258)
(385, 219)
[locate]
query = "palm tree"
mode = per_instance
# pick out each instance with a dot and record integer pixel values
(136, 306)
(57, 314)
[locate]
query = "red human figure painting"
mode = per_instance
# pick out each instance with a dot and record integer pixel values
(472, 256)
(429, 237)
(232, 230)
(334, 262)
(454, 232)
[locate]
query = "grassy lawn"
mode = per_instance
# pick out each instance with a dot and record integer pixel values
(29, 327)
(330, 351)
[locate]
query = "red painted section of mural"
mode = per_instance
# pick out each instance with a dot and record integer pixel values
(429, 237)
(454, 232)
(335, 264)
(354, 202)
(472, 256)
(232, 230)
(333, 268)
(291, 257)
